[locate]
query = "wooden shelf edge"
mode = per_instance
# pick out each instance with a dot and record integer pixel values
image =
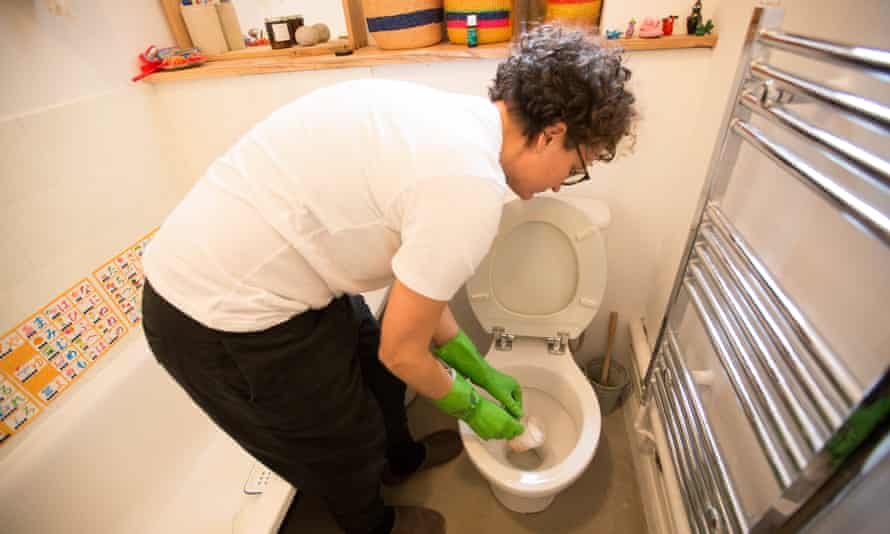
(673, 42)
(253, 52)
(370, 56)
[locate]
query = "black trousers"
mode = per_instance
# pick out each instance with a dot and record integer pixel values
(308, 398)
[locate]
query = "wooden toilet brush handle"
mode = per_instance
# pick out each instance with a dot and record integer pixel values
(613, 322)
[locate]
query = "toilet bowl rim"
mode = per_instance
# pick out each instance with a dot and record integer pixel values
(553, 479)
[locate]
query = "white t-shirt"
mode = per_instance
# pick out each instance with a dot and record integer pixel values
(337, 192)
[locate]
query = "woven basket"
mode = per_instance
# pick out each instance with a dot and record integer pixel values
(574, 12)
(399, 24)
(493, 21)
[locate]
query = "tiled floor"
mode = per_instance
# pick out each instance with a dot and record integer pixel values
(604, 499)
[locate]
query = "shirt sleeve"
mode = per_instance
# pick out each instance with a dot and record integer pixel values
(448, 225)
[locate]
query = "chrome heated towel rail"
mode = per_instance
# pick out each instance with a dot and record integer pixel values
(797, 393)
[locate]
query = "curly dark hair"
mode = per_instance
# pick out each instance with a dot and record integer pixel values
(559, 74)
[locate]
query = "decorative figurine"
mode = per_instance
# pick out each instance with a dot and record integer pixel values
(630, 28)
(693, 21)
(705, 29)
(613, 34)
(667, 25)
(650, 28)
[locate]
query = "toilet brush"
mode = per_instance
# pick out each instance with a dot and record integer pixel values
(613, 322)
(524, 451)
(532, 438)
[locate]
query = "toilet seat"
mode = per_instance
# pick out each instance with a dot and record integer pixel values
(559, 376)
(545, 272)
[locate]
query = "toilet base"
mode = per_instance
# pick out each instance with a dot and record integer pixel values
(523, 505)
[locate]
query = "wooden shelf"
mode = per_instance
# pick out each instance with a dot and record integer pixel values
(667, 43)
(253, 52)
(264, 60)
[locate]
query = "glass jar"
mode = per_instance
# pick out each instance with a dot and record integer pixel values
(279, 34)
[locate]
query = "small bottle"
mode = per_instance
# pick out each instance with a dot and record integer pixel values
(472, 38)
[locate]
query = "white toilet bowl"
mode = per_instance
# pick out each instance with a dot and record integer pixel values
(540, 285)
(557, 393)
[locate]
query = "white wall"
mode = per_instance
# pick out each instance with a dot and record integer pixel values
(53, 60)
(83, 170)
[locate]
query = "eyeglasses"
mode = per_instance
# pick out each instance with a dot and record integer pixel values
(577, 177)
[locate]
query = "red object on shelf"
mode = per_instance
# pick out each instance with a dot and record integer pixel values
(154, 59)
(149, 62)
(667, 25)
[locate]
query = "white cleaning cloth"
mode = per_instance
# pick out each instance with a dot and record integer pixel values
(532, 438)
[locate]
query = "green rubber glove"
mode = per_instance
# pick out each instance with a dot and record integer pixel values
(486, 418)
(461, 354)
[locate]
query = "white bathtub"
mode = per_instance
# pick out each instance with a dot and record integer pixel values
(127, 451)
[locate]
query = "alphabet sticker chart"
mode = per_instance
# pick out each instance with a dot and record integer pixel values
(43, 355)
(50, 350)
(122, 279)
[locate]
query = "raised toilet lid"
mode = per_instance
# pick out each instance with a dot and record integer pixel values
(546, 270)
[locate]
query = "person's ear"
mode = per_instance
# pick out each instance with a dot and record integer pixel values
(542, 141)
(556, 130)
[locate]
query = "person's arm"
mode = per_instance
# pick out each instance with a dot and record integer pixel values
(439, 250)
(446, 329)
(408, 326)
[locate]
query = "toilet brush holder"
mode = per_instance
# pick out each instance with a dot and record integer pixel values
(609, 395)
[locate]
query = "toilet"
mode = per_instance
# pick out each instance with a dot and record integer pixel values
(540, 285)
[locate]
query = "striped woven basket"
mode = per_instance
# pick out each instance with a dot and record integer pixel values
(399, 24)
(493, 22)
(574, 12)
